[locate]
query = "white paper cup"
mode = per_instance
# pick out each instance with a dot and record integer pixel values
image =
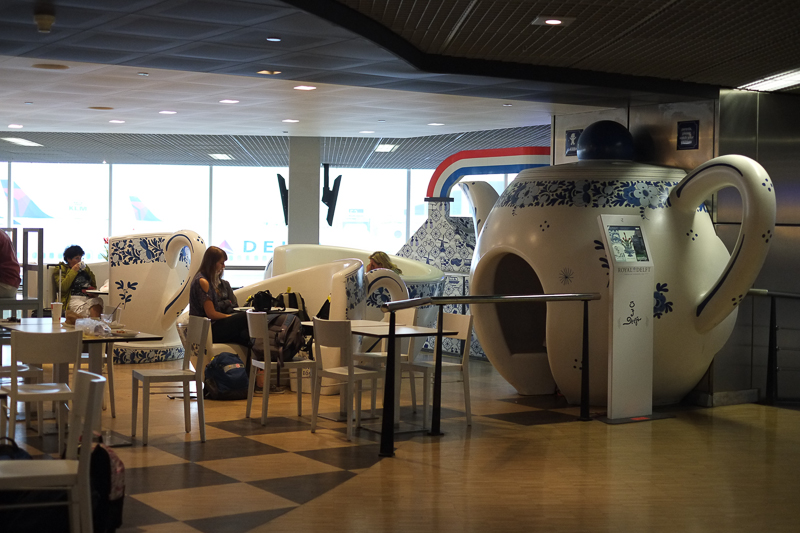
(56, 307)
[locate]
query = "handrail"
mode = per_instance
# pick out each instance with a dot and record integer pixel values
(387, 425)
(771, 394)
(488, 299)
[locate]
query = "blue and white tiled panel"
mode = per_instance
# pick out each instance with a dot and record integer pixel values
(129, 354)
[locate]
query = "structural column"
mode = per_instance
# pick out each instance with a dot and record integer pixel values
(304, 190)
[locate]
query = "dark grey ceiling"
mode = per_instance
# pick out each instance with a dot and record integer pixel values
(614, 53)
(267, 151)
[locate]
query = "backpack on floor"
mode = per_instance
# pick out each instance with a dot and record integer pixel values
(295, 301)
(285, 336)
(107, 476)
(225, 378)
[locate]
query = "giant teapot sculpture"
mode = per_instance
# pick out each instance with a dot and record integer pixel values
(542, 235)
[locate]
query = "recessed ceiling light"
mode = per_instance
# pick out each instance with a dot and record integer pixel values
(783, 80)
(386, 148)
(101, 108)
(21, 142)
(292, 120)
(15, 126)
(305, 88)
(435, 124)
(229, 101)
(117, 121)
(223, 157)
(142, 74)
(50, 66)
(167, 112)
(274, 39)
(366, 131)
(550, 20)
(269, 72)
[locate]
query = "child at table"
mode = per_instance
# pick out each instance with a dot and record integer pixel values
(72, 279)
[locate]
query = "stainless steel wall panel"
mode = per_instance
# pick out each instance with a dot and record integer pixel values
(748, 343)
(776, 130)
(655, 133)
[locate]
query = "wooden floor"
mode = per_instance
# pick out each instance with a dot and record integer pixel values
(525, 464)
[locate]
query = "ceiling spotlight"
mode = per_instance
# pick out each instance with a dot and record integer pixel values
(274, 39)
(15, 126)
(543, 20)
(508, 105)
(142, 74)
(229, 101)
(44, 21)
(435, 124)
(167, 112)
(366, 131)
(269, 72)
(292, 120)
(305, 88)
(115, 121)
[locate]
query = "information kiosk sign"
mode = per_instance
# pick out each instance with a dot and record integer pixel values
(630, 360)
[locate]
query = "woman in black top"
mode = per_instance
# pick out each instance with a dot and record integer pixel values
(204, 300)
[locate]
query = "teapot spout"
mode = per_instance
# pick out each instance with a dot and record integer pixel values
(481, 197)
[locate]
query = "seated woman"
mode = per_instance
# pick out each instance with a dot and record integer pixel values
(381, 260)
(72, 279)
(205, 300)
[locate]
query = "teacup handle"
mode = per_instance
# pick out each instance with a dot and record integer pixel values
(757, 229)
(175, 303)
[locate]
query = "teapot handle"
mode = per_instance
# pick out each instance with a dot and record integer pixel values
(757, 229)
(175, 304)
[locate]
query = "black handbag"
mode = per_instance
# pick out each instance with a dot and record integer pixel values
(263, 301)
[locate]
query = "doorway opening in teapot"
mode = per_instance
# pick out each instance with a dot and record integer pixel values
(522, 326)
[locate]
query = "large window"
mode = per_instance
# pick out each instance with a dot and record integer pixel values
(4, 204)
(236, 208)
(159, 198)
(69, 201)
(370, 210)
(247, 218)
(417, 194)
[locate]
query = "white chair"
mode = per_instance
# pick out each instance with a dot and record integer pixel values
(377, 359)
(29, 374)
(258, 325)
(196, 345)
(333, 355)
(72, 473)
(57, 349)
(463, 325)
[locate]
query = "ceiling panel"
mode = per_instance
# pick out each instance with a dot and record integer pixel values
(405, 62)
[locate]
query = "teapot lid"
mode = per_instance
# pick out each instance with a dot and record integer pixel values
(605, 140)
